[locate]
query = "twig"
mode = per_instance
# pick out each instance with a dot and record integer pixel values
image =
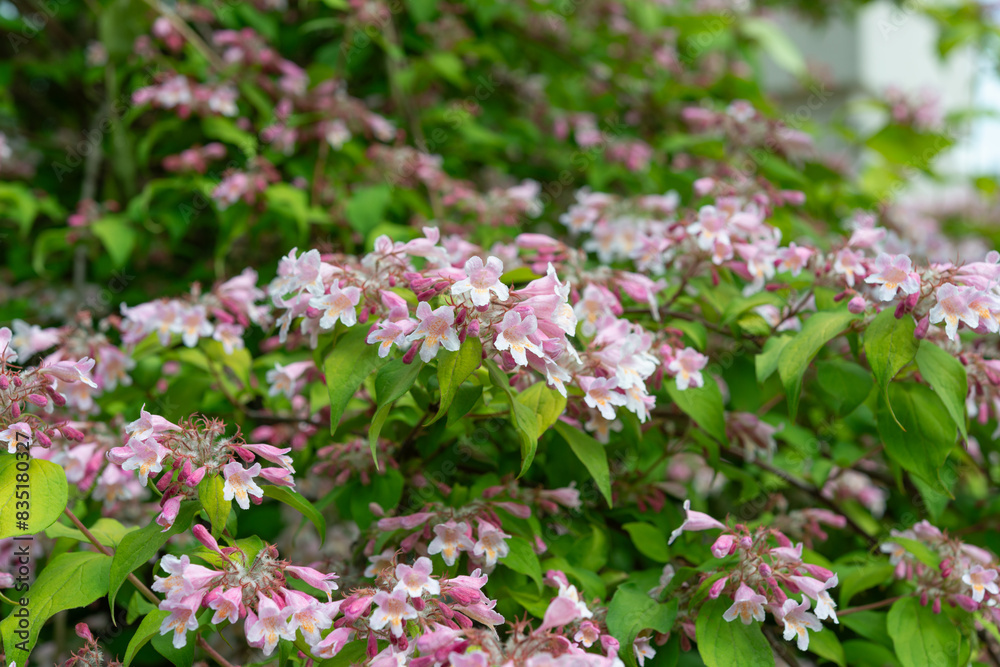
(873, 605)
(141, 587)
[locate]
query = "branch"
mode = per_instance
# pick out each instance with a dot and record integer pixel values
(141, 587)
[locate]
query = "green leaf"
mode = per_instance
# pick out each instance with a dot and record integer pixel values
(868, 575)
(649, 540)
(353, 653)
(180, 657)
(366, 207)
(346, 367)
(775, 43)
(889, 345)
(522, 558)
(921, 637)
(799, 352)
(108, 532)
(921, 435)
(210, 494)
(149, 627)
(826, 645)
(918, 549)
(68, 581)
(297, 501)
(392, 382)
(846, 384)
(139, 546)
(766, 363)
(39, 485)
(118, 238)
(524, 420)
(546, 403)
(454, 368)
(724, 644)
(631, 611)
(591, 454)
(703, 405)
(947, 378)
(465, 399)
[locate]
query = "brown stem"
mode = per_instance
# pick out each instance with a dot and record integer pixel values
(141, 587)
(873, 605)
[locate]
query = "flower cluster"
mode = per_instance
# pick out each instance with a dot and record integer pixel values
(244, 585)
(183, 455)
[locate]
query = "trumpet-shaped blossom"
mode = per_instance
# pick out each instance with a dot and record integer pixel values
(450, 538)
(893, 274)
(436, 329)
(747, 604)
(514, 335)
(601, 395)
(239, 483)
(10, 436)
(480, 280)
(270, 625)
(687, 367)
(981, 581)
(147, 456)
(391, 609)
(798, 621)
(953, 306)
(492, 544)
(416, 579)
(694, 521)
(338, 305)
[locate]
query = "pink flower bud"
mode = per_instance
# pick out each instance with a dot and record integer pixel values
(556, 579)
(724, 546)
(83, 632)
(965, 602)
(716, 589)
(857, 305)
(4, 382)
(38, 400)
(922, 327)
(15, 410)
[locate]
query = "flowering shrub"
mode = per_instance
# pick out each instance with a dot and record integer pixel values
(479, 334)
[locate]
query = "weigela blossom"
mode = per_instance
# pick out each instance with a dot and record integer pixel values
(416, 579)
(601, 395)
(953, 306)
(687, 366)
(514, 335)
(893, 274)
(747, 605)
(436, 329)
(491, 545)
(391, 609)
(694, 521)
(337, 305)
(798, 621)
(480, 280)
(270, 625)
(240, 483)
(982, 581)
(450, 538)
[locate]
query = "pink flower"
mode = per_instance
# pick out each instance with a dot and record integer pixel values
(450, 538)
(147, 425)
(69, 371)
(330, 645)
(953, 305)
(793, 258)
(694, 521)
(192, 325)
(513, 336)
(561, 611)
(306, 614)
(271, 624)
(491, 544)
(239, 483)
(7, 353)
(284, 379)
(686, 367)
(643, 650)
(986, 306)
(798, 621)
(892, 274)
(273, 454)
(315, 578)
(587, 634)
(601, 395)
(416, 579)
(436, 329)
(337, 305)
(389, 333)
(391, 609)
(747, 605)
(182, 617)
(848, 263)
(481, 280)
(383, 560)
(818, 591)
(147, 456)
(982, 581)
(227, 606)
(11, 433)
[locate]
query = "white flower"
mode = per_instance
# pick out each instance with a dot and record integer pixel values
(480, 280)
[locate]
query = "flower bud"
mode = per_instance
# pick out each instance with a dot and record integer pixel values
(716, 589)
(725, 545)
(857, 305)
